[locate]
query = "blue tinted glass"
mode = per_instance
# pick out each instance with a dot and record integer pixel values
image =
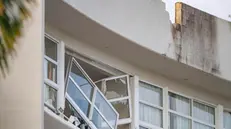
(105, 109)
(77, 97)
(81, 80)
(98, 121)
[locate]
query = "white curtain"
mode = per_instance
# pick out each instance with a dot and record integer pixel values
(152, 96)
(201, 126)
(204, 113)
(150, 115)
(227, 120)
(178, 122)
(181, 105)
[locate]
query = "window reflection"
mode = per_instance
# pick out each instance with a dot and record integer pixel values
(105, 109)
(81, 80)
(77, 96)
(98, 121)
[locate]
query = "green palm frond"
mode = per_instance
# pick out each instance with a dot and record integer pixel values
(12, 15)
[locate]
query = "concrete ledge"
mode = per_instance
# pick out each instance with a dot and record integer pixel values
(53, 121)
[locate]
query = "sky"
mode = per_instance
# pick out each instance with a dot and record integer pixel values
(218, 8)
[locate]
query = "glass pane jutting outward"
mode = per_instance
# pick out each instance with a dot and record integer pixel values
(116, 88)
(81, 81)
(78, 97)
(50, 96)
(98, 121)
(83, 94)
(105, 109)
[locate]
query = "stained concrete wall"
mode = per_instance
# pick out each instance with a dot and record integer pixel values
(202, 40)
(20, 92)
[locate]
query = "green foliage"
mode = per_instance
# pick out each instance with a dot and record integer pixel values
(12, 15)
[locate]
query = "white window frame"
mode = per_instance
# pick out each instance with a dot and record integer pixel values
(128, 97)
(88, 118)
(142, 123)
(191, 118)
(60, 63)
(218, 121)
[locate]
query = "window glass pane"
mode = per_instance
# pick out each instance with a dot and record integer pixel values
(178, 122)
(179, 104)
(122, 107)
(50, 96)
(150, 94)
(203, 112)
(127, 126)
(201, 126)
(81, 80)
(105, 109)
(77, 97)
(116, 88)
(150, 115)
(227, 120)
(50, 71)
(51, 49)
(98, 121)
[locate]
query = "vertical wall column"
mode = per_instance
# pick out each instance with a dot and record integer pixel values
(219, 117)
(165, 106)
(135, 103)
(61, 72)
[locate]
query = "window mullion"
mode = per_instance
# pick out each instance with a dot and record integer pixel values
(192, 114)
(92, 104)
(219, 117)
(135, 102)
(165, 108)
(60, 76)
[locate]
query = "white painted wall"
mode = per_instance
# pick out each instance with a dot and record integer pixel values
(144, 74)
(143, 21)
(146, 23)
(224, 47)
(20, 92)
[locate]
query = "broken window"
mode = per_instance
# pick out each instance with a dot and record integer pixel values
(113, 84)
(84, 95)
(116, 90)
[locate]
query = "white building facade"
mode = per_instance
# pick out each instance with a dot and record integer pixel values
(123, 65)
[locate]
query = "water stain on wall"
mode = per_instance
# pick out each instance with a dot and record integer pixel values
(194, 34)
